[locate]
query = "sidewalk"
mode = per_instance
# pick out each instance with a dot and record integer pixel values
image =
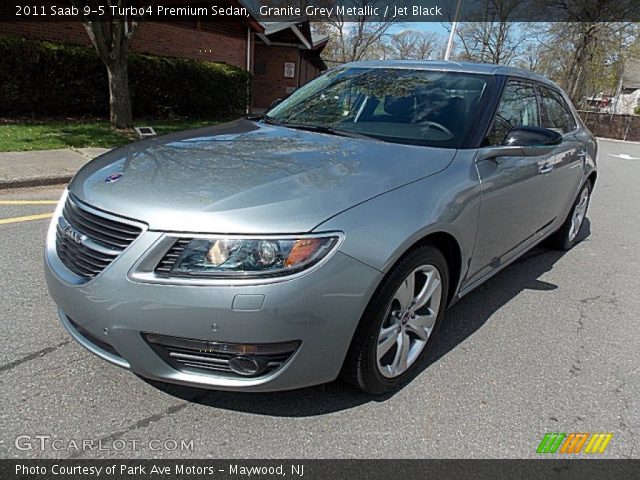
(44, 167)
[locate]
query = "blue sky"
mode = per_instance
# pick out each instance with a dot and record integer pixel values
(437, 27)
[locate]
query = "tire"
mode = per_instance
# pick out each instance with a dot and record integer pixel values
(567, 235)
(413, 327)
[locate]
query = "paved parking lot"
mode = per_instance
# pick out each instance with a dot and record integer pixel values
(549, 345)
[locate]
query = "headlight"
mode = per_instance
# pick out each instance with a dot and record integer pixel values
(250, 257)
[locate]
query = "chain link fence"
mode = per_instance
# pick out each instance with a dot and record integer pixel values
(608, 125)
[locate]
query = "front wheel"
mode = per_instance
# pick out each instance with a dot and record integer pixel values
(567, 236)
(399, 322)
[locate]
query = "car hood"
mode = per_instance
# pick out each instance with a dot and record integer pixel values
(248, 177)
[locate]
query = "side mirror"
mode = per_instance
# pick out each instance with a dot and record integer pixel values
(523, 142)
(531, 137)
(275, 103)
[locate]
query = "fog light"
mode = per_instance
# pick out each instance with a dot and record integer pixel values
(246, 365)
(219, 358)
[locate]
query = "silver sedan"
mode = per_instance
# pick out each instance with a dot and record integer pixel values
(325, 238)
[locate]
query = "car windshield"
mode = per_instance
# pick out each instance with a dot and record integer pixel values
(418, 107)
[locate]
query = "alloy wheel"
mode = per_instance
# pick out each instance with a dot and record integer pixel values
(409, 321)
(579, 212)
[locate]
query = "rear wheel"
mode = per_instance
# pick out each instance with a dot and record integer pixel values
(399, 322)
(568, 234)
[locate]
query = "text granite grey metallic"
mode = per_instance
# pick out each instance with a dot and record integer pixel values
(324, 238)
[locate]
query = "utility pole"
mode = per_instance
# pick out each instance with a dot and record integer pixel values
(614, 107)
(454, 25)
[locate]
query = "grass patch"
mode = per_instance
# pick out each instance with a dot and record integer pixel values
(25, 136)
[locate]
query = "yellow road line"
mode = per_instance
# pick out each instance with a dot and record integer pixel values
(26, 218)
(28, 202)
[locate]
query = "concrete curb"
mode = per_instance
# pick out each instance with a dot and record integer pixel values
(35, 181)
(616, 140)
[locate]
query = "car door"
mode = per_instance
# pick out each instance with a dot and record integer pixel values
(513, 188)
(566, 163)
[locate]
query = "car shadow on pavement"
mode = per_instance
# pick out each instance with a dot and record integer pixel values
(461, 321)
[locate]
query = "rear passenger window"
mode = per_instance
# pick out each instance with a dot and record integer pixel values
(555, 112)
(518, 107)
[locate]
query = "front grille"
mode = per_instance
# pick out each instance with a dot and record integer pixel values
(107, 347)
(201, 356)
(170, 258)
(87, 243)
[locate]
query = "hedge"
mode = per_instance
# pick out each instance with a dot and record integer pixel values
(41, 78)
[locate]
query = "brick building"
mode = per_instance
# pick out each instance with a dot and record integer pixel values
(286, 57)
(282, 56)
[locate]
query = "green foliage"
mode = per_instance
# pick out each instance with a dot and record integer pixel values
(42, 78)
(22, 136)
(636, 111)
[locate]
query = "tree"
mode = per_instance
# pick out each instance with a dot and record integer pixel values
(353, 38)
(402, 44)
(531, 57)
(429, 44)
(356, 40)
(585, 53)
(414, 45)
(492, 36)
(585, 58)
(111, 36)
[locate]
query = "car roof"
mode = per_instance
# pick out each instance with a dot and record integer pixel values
(450, 66)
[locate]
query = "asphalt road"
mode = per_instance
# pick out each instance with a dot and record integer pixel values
(552, 344)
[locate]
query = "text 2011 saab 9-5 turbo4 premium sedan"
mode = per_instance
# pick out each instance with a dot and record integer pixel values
(325, 238)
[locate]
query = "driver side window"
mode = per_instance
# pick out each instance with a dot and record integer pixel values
(518, 107)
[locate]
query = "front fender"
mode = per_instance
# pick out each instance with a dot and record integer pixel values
(378, 232)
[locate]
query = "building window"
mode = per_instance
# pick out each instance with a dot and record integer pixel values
(260, 68)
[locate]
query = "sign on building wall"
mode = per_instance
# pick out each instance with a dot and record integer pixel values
(289, 70)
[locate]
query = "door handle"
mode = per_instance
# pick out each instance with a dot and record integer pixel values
(582, 156)
(545, 168)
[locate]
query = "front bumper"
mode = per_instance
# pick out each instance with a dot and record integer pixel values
(320, 309)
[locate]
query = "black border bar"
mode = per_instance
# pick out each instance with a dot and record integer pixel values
(326, 10)
(583, 469)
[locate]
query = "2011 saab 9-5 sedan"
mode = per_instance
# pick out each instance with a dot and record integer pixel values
(324, 238)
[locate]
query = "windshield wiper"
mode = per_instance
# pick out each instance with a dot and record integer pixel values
(327, 130)
(309, 127)
(264, 118)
